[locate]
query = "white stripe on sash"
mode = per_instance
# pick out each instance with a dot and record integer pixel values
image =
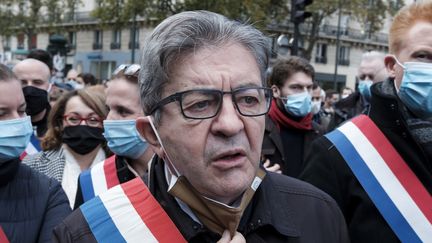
(125, 217)
(98, 178)
(390, 183)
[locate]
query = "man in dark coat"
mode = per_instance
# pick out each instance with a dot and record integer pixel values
(290, 128)
(202, 89)
(371, 70)
(401, 108)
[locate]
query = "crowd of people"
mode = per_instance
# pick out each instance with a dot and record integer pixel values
(202, 142)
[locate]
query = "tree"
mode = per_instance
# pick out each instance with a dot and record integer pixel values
(369, 13)
(27, 16)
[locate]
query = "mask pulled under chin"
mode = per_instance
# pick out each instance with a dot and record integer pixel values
(214, 215)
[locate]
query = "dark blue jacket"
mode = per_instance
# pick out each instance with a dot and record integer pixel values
(31, 204)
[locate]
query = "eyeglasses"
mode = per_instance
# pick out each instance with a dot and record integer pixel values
(127, 69)
(75, 120)
(206, 103)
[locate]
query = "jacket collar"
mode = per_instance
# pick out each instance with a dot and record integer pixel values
(260, 212)
(274, 134)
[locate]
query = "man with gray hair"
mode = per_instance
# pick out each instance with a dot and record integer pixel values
(203, 90)
(371, 70)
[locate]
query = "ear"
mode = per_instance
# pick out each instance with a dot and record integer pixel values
(276, 91)
(390, 63)
(145, 129)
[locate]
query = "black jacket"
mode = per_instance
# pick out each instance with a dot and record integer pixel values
(327, 170)
(349, 107)
(31, 204)
(282, 210)
(273, 148)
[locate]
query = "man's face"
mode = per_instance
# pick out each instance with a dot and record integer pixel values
(299, 82)
(123, 101)
(220, 155)
(316, 94)
(416, 47)
(373, 70)
(33, 73)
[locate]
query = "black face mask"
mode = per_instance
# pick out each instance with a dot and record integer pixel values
(82, 139)
(36, 99)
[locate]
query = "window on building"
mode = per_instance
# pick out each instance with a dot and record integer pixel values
(97, 42)
(116, 39)
(102, 70)
(344, 55)
(20, 40)
(72, 39)
(132, 37)
(321, 53)
(7, 43)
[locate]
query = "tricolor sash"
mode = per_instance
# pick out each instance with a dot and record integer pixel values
(129, 213)
(32, 148)
(99, 179)
(3, 238)
(395, 190)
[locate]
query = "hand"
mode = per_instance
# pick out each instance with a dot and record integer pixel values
(226, 238)
(273, 168)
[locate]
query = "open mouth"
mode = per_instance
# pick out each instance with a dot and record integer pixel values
(229, 159)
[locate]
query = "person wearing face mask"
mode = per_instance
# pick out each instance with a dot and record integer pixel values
(34, 76)
(74, 141)
(131, 152)
(378, 166)
(321, 121)
(371, 70)
(289, 126)
(31, 204)
(202, 87)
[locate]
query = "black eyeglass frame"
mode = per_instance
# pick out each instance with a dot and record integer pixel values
(178, 97)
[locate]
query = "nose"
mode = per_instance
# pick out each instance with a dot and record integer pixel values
(83, 122)
(228, 122)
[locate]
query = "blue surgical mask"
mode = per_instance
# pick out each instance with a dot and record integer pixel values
(415, 90)
(123, 138)
(298, 104)
(14, 137)
(364, 88)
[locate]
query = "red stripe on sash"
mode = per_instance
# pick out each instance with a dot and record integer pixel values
(150, 211)
(111, 172)
(396, 163)
(3, 238)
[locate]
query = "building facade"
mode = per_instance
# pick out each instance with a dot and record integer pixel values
(99, 49)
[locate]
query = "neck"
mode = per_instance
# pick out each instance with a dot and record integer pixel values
(84, 160)
(140, 165)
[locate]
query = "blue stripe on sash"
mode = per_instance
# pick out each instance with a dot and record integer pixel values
(371, 185)
(100, 222)
(86, 185)
(35, 142)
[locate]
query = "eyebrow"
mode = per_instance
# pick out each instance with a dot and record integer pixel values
(249, 85)
(23, 105)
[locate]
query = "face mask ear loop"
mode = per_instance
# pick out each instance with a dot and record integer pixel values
(403, 66)
(171, 167)
(49, 88)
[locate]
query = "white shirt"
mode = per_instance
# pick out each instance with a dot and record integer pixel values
(71, 172)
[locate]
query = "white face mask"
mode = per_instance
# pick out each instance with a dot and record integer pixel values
(316, 106)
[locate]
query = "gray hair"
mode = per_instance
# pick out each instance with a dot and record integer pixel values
(183, 34)
(372, 55)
